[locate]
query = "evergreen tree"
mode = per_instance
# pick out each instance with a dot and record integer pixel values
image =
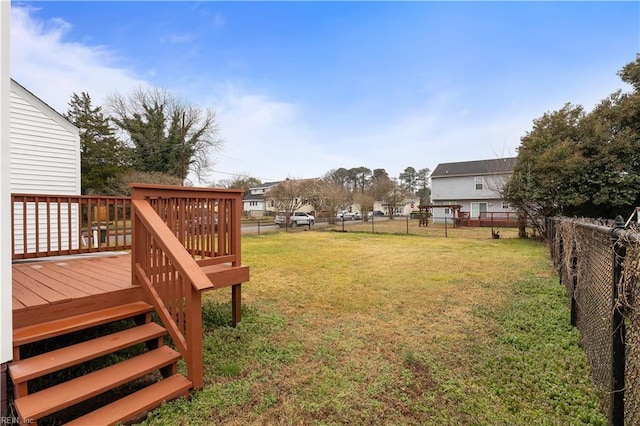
(102, 156)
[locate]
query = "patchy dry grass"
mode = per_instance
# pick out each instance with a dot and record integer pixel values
(402, 225)
(356, 328)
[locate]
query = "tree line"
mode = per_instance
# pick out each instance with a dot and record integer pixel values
(339, 189)
(579, 163)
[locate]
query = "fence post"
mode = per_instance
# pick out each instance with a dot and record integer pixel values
(619, 331)
(574, 284)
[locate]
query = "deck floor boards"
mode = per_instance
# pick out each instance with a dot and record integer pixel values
(78, 277)
(45, 283)
(42, 288)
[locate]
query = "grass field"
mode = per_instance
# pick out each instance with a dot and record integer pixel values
(360, 328)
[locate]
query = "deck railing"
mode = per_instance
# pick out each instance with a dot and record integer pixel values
(176, 231)
(54, 225)
(489, 219)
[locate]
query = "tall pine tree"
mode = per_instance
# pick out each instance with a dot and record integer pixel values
(103, 157)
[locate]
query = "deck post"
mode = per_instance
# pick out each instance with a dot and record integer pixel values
(236, 304)
(195, 369)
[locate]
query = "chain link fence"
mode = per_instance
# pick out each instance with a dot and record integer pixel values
(599, 265)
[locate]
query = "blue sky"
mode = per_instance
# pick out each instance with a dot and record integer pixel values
(301, 88)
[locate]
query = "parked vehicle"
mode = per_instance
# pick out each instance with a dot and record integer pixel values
(296, 219)
(375, 213)
(344, 215)
(357, 216)
(281, 219)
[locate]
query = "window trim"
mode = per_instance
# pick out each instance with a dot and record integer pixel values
(478, 180)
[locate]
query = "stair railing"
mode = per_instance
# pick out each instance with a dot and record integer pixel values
(176, 231)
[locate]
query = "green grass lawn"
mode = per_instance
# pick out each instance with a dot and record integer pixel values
(355, 328)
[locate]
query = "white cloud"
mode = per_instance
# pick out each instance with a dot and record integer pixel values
(264, 138)
(53, 68)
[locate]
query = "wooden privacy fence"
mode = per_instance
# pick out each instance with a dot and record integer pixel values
(599, 265)
(54, 225)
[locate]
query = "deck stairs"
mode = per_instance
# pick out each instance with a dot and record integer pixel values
(130, 331)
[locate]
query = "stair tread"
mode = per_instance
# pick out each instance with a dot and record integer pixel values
(58, 327)
(55, 398)
(137, 403)
(49, 362)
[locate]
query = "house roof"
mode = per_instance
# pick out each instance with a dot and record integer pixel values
(265, 185)
(253, 197)
(478, 167)
(43, 106)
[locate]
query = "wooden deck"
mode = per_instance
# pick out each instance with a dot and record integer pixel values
(177, 254)
(50, 289)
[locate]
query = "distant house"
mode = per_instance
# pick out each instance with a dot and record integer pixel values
(255, 203)
(408, 205)
(474, 185)
(44, 158)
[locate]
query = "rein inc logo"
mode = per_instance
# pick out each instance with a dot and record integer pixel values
(15, 421)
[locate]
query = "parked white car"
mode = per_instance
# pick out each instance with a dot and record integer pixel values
(301, 218)
(296, 219)
(344, 215)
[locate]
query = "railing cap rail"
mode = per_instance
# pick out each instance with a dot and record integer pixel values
(80, 196)
(183, 189)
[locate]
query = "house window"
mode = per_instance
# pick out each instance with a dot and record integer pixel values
(448, 210)
(505, 205)
(479, 180)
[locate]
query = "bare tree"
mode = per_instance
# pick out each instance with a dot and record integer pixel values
(326, 196)
(365, 202)
(120, 185)
(288, 196)
(167, 134)
(241, 181)
(394, 197)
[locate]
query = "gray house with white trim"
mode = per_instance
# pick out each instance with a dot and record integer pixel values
(475, 185)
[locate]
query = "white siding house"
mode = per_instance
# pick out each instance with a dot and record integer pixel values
(255, 203)
(45, 147)
(475, 185)
(44, 159)
(6, 321)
